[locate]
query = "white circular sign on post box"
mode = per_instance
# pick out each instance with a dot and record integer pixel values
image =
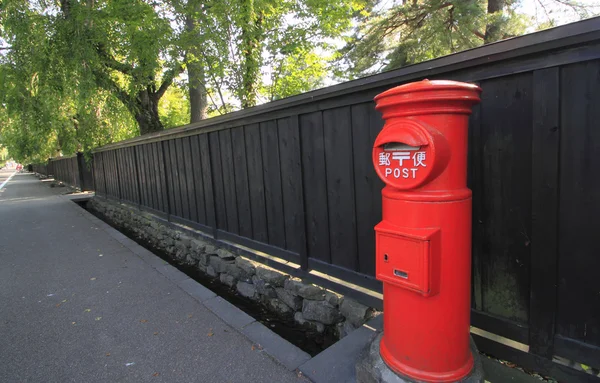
(406, 154)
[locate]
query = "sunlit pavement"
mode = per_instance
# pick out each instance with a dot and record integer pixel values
(79, 306)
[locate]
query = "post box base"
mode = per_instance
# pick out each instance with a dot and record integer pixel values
(371, 368)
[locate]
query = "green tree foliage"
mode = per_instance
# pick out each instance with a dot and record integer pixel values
(419, 30)
(405, 32)
(247, 47)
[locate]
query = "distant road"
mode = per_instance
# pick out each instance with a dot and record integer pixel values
(5, 174)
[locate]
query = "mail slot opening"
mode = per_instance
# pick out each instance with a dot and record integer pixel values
(401, 274)
(395, 146)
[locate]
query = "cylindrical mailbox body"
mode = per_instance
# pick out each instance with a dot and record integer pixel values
(424, 240)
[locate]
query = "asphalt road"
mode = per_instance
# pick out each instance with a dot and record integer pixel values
(4, 176)
(78, 306)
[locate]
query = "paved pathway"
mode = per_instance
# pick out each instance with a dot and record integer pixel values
(78, 306)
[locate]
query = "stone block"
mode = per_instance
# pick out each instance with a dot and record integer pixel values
(271, 276)
(304, 290)
(355, 313)
(320, 311)
(238, 273)
(263, 288)
(246, 265)
(344, 328)
(247, 290)
(198, 246)
(280, 307)
(333, 298)
(225, 255)
(315, 326)
(295, 302)
(219, 264)
(204, 259)
(211, 271)
(228, 280)
(186, 241)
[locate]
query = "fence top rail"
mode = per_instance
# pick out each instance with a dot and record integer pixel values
(577, 33)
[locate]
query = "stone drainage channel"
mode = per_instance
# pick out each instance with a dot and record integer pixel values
(307, 340)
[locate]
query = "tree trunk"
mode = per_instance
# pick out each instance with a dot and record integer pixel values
(493, 29)
(147, 113)
(195, 69)
(197, 91)
(251, 54)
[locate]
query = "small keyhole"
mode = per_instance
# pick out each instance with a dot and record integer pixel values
(385, 257)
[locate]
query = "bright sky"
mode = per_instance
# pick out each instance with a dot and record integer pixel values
(542, 10)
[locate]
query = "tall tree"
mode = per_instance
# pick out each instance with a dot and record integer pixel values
(418, 30)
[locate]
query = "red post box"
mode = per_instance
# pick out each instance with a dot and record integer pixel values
(423, 243)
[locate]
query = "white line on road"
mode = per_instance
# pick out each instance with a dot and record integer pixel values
(8, 179)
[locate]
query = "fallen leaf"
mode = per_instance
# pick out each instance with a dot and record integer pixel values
(156, 374)
(73, 322)
(156, 333)
(108, 354)
(87, 310)
(210, 332)
(189, 315)
(98, 318)
(92, 279)
(253, 348)
(58, 305)
(64, 301)
(143, 320)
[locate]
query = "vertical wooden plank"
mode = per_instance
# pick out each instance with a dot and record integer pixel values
(125, 173)
(578, 305)
(506, 137)
(272, 179)
(136, 157)
(217, 174)
(144, 187)
(153, 176)
(475, 178)
(117, 174)
(238, 143)
(198, 186)
(291, 185)
(134, 178)
(132, 175)
(101, 179)
(229, 181)
(189, 179)
(544, 209)
(314, 179)
(256, 187)
(164, 156)
(174, 169)
(181, 164)
(366, 124)
(339, 164)
(160, 185)
(169, 176)
(207, 180)
(110, 174)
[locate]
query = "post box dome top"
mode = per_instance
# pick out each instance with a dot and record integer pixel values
(428, 96)
(429, 85)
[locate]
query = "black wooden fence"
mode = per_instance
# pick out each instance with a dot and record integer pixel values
(74, 171)
(294, 178)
